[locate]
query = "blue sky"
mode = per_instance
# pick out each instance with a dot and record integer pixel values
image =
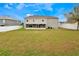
(21, 10)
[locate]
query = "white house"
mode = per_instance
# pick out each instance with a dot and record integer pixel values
(8, 21)
(40, 22)
(8, 24)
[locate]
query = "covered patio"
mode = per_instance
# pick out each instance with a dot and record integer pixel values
(35, 25)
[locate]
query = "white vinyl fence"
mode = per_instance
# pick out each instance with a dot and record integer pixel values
(69, 26)
(9, 28)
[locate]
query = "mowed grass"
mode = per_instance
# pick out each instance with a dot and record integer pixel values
(49, 42)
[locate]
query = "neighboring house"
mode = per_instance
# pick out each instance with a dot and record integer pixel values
(8, 21)
(40, 22)
(71, 21)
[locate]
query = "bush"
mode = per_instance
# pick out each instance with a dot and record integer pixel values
(49, 27)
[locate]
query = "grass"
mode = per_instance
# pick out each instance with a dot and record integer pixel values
(49, 42)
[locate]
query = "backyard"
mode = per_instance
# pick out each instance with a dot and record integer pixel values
(49, 42)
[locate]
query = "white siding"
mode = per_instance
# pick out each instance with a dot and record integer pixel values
(1, 22)
(36, 21)
(48, 21)
(4, 21)
(69, 26)
(52, 23)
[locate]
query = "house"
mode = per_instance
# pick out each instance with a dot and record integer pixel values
(40, 22)
(71, 21)
(8, 21)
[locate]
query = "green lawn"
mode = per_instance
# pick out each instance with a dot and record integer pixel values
(48, 42)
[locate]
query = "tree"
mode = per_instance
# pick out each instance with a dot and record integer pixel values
(74, 15)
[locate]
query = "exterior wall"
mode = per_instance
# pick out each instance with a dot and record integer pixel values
(36, 21)
(71, 21)
(49, 22)
(11, 22)
(72, 26)
(2, 22)
(52, 23)
(8, 21)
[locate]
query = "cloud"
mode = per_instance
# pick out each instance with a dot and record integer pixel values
(61, 10)
(35, 6)
(48, 7)
(27, 15)
(11, 4)
(7, 6)
(17, 6)
(36, 10)
(40, 6)
(61, 17)
(26, 6)
(20, 6)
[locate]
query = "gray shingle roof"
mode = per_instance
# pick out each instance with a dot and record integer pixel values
(47, 17)
(7, 17)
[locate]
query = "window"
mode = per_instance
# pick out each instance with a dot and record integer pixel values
(30, 25)
(33, 20)
(27, 20)
(42, 20)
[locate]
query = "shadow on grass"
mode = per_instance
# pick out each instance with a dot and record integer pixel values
(5, 52)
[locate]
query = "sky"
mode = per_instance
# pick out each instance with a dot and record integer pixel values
(22, 10)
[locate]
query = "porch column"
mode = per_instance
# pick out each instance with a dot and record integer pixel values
(37, 25)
